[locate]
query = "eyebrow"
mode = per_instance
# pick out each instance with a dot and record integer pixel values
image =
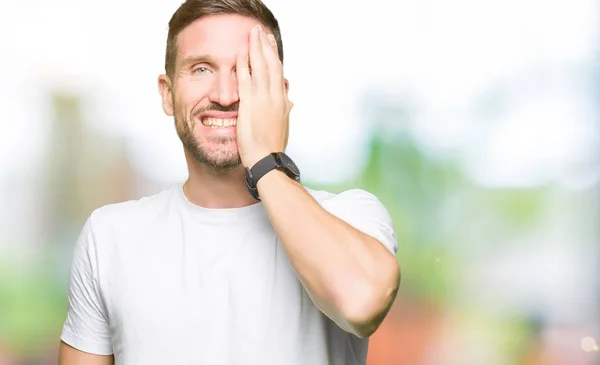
(193, 60)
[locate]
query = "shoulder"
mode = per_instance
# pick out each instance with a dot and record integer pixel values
(361, 209)
(348, 198)
(131, 212)
(352, 203)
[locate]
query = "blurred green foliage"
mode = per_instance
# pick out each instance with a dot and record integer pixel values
(32, 303)
(438, 212)
(413, 187)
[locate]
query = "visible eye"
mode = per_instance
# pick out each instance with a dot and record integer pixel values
(200, 70)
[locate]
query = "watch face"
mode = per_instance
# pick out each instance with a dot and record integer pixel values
(289, 164)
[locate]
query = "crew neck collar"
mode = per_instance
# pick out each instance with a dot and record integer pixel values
(215, 215)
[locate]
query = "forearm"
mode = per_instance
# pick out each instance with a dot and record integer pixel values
(349, 275)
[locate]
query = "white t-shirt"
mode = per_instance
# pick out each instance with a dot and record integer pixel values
(162, 281)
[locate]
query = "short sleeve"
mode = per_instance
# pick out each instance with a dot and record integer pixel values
(86, 327)
(365, 212)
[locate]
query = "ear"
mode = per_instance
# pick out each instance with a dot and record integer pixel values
(286, 83)
(166, 93)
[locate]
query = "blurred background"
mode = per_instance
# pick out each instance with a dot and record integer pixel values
(477, 123)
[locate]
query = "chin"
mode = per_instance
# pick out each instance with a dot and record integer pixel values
(218, 158)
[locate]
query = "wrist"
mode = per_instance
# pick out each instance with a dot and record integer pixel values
(270, 177)
(272, 161)
(250, 160)
(273, 181)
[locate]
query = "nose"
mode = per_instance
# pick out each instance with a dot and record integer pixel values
(225, 90)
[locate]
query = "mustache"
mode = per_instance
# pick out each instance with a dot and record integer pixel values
(216, 107)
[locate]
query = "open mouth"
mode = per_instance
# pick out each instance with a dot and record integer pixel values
(218, 122)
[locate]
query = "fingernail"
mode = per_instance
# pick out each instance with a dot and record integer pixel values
(257, 29)
(271, 38)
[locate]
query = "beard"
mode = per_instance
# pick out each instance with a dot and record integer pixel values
(218, 153)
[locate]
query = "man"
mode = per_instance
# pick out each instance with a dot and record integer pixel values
(241, 264)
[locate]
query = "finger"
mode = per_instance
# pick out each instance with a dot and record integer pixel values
(260, 76)
(273, 65)
(243, 76)
(273, 43)
(276, 51)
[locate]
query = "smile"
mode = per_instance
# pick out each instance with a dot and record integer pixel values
(218, 122)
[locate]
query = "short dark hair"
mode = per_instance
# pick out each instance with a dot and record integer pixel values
(192, 10)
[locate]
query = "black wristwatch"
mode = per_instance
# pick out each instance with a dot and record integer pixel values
(275, 160)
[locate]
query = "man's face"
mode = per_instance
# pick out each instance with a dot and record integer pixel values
(203, 94)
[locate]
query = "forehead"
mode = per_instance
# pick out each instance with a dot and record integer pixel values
(220, 36)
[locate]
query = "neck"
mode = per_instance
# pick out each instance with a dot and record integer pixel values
(213, 189)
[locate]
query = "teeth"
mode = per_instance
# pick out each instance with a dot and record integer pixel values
(218, 123)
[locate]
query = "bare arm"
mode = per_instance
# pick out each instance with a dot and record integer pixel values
(68, 355)
(349, 275)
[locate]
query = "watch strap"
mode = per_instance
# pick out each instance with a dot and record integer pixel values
(260, 169)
